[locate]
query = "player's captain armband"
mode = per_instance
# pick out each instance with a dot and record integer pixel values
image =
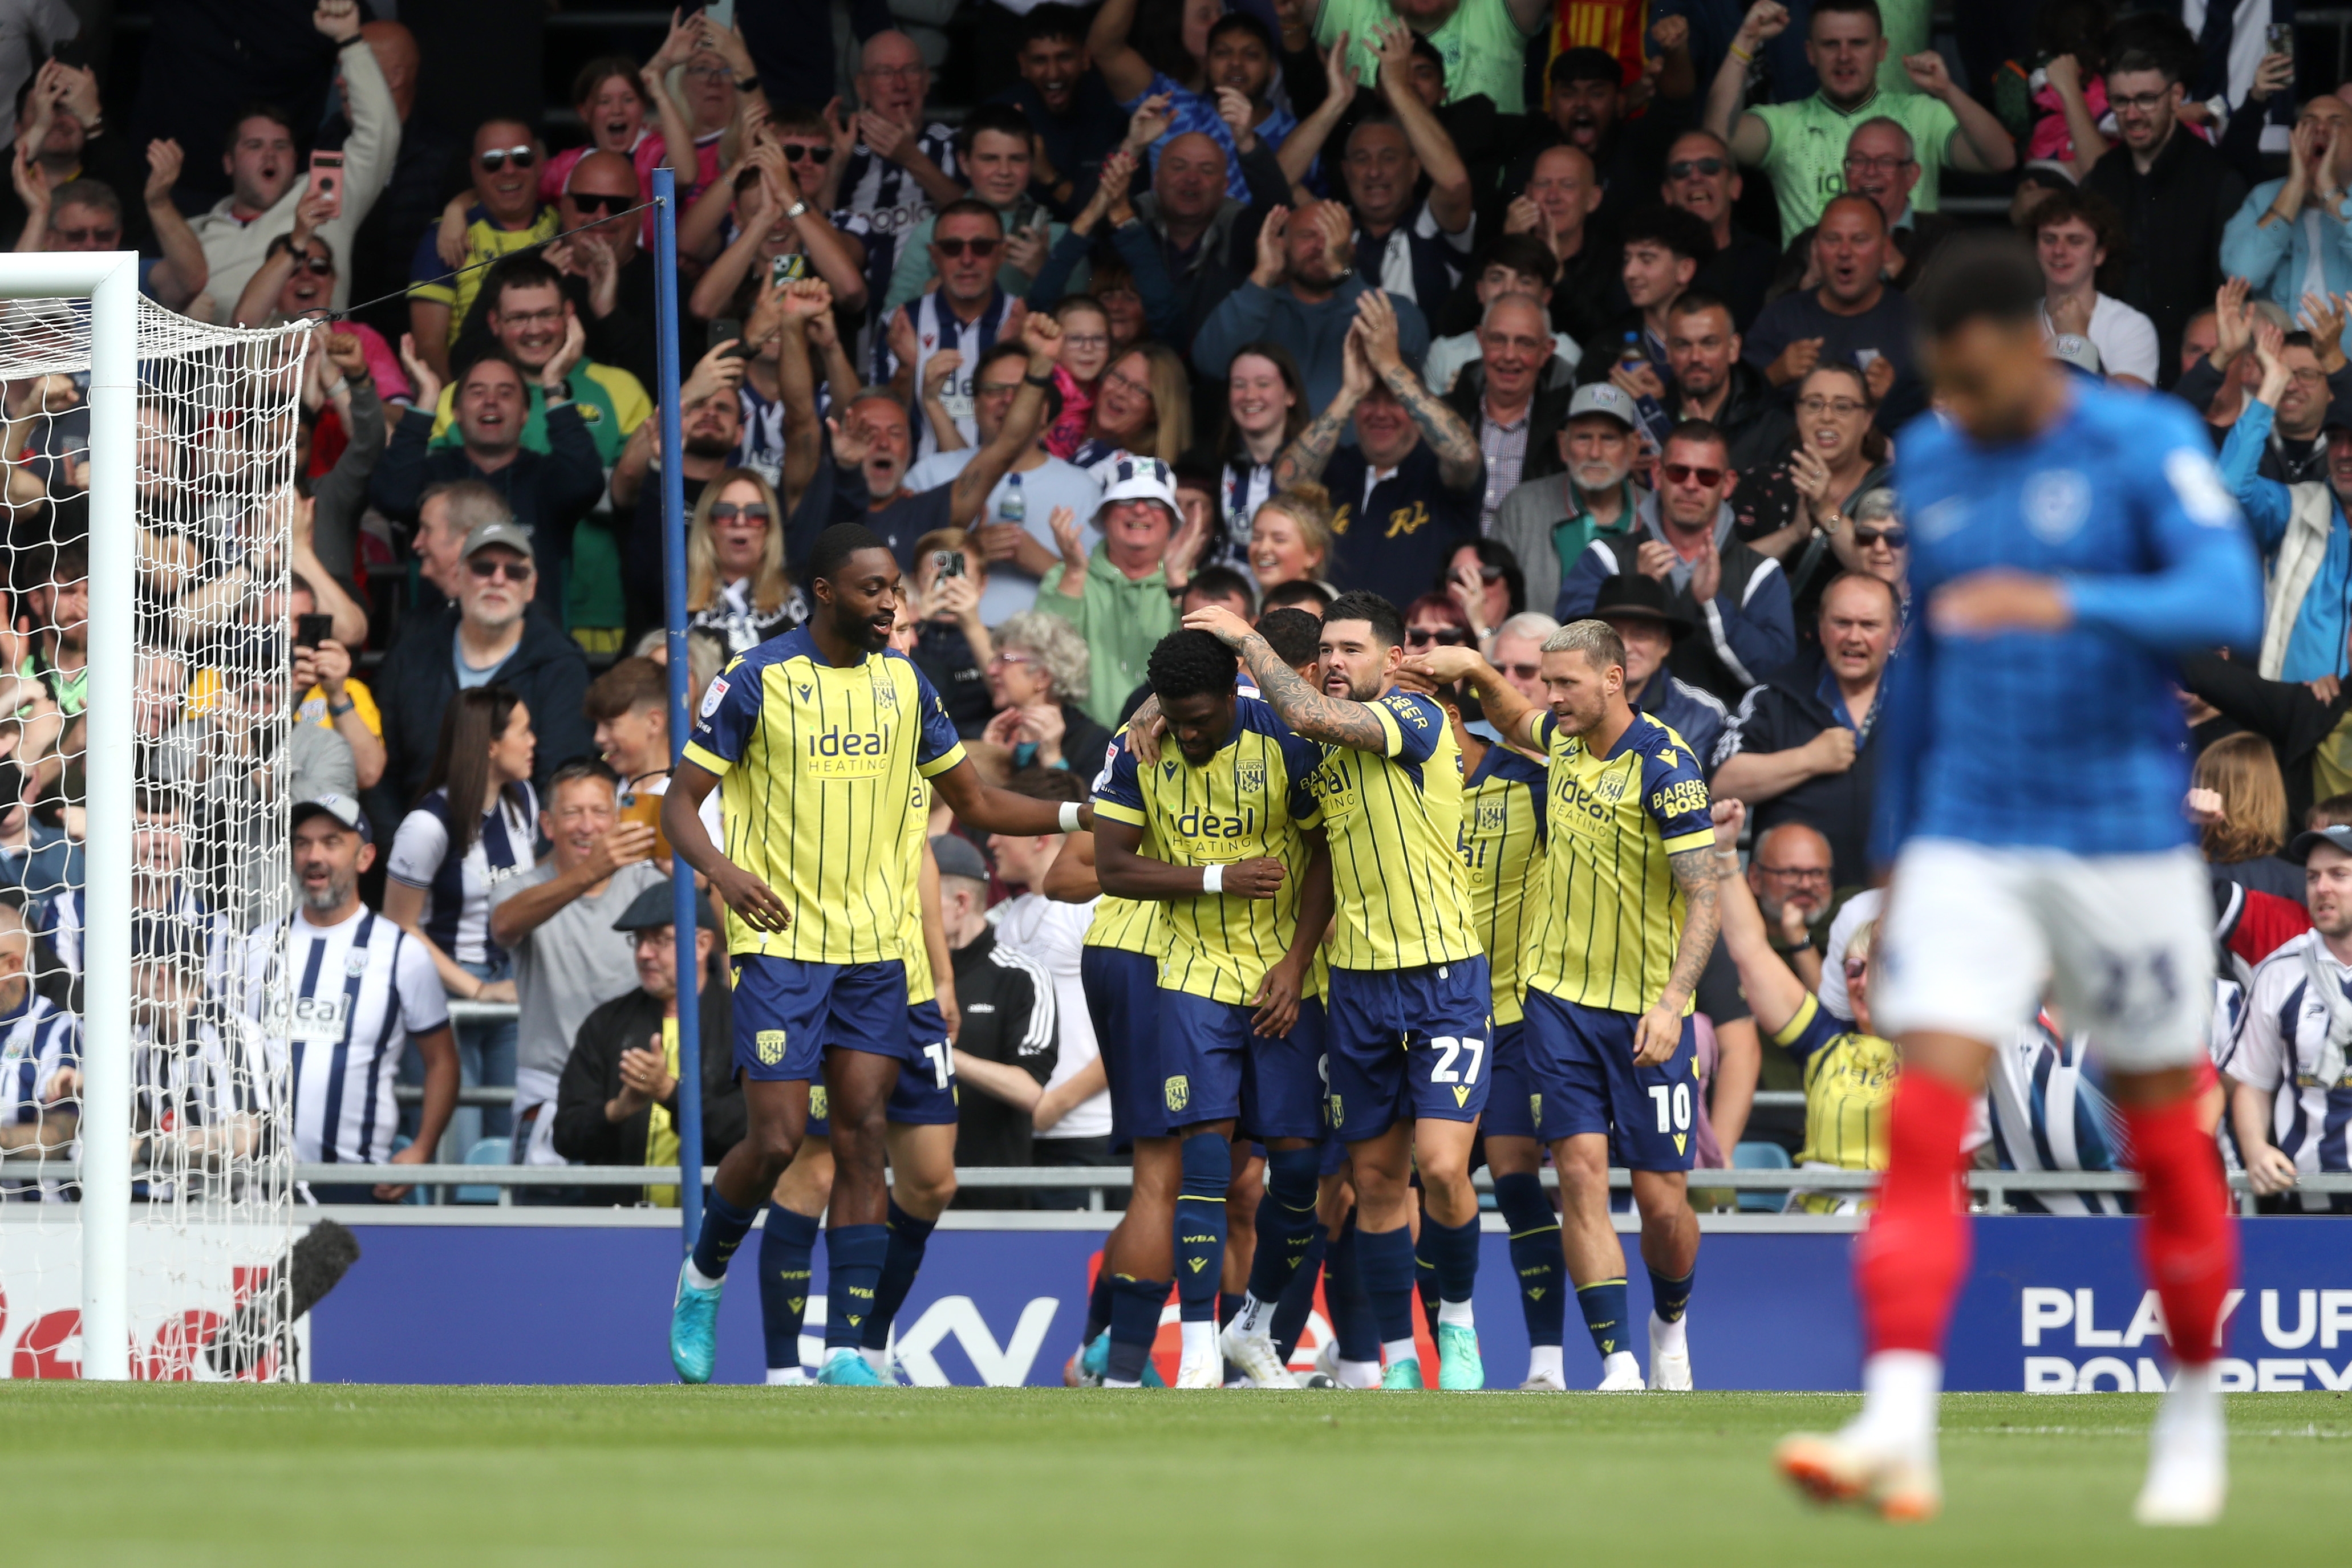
(2199, 484)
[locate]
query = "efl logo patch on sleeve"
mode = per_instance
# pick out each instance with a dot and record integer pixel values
(714, 696)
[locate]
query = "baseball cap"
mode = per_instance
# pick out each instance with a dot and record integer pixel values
(514, 535)
(2076, 353)
(1132, 479)
(959, 856)
(343, 807)
(2340, 836)
(1601, 397)
(657, 907)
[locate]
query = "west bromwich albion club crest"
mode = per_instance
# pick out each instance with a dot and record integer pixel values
(1493, 816)
(1249, 777)
(770, 1043)
(1179, 1092)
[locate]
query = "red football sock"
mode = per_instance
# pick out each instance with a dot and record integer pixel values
(1910, 1265)
(2187, 1235)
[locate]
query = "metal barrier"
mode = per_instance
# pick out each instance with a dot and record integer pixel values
(1992, 1188)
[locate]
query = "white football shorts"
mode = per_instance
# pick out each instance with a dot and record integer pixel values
(1974, 934)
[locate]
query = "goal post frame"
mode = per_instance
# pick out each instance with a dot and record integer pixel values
(110, 281)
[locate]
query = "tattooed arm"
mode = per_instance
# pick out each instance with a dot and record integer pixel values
(1661, 1029)
(1506, 708)
(1302, 461)
(1333, 720)
(1460, 464)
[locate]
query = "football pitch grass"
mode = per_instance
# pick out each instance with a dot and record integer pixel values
(212, 1474)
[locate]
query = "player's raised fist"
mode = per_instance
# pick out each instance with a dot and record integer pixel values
(1730, 816)
(1253, 879)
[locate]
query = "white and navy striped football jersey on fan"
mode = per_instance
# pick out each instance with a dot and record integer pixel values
(37, 1039)
(2051, 1113)
(338, 1007)
(2283, 1049)
(937, 330)
(62, 925)
(192, 1093)
(457, 891)
(880, 201)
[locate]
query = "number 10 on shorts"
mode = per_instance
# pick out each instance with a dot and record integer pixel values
(1675, 1102)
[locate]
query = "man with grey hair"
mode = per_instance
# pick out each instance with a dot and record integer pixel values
(1501, 397)
(1547, 522)
(1880, 163)
(449, 512)
(494, 633)
(1608, 1041)
(1518, 651)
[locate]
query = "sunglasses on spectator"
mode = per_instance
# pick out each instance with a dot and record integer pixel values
(1855, 969)
(796, 151)
(981, 248)
(1489, 573)
(1684, 474)
(322, 265)
(728, 511)
(1896, 538)
(88, 236)
(495, 159)
(600, 202)
(1684, 168)
(488, 570)
(1423, 636)
(1523, 672)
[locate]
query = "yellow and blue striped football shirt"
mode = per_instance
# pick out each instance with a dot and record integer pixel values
(821, 768)
(1849, 1089)
(1127, 924)
(1502, 840)
(1611, 912)
(1394, 819)
(921, 986)
(1249, 802)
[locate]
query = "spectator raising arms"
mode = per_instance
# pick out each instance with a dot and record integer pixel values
(2244, 825)
(476, 826)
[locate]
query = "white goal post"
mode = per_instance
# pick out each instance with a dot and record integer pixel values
(143, 1210)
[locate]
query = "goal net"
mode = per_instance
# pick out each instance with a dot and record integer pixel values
(146, 1150)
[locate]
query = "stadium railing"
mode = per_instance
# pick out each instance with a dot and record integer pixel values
(1989, 1187)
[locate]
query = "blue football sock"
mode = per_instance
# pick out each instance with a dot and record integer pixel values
(1352, 1323)
(1425, 1274)
(1134, 1324)
(1297, 1302)
(1201, 1224)
(1286, 1220)
(786, 1242)
(1670, 1298)
(1386, 1260)
(1535, 1254)
(853, 1260)
(1228, 1306)
(1603, 1301)
(1453, 1254)
(724, 1226)
(909, 1236)
(1098, 1305)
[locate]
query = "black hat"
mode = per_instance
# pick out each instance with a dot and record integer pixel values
(958, 857)
(657, 907)
(1631, 593)
(2339, 836)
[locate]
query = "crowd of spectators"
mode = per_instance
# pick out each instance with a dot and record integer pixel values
(1416, 301)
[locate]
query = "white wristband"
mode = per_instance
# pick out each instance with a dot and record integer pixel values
(1069, 817)
(1212, 879)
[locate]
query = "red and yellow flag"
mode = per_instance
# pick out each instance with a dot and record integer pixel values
(1616, 25)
